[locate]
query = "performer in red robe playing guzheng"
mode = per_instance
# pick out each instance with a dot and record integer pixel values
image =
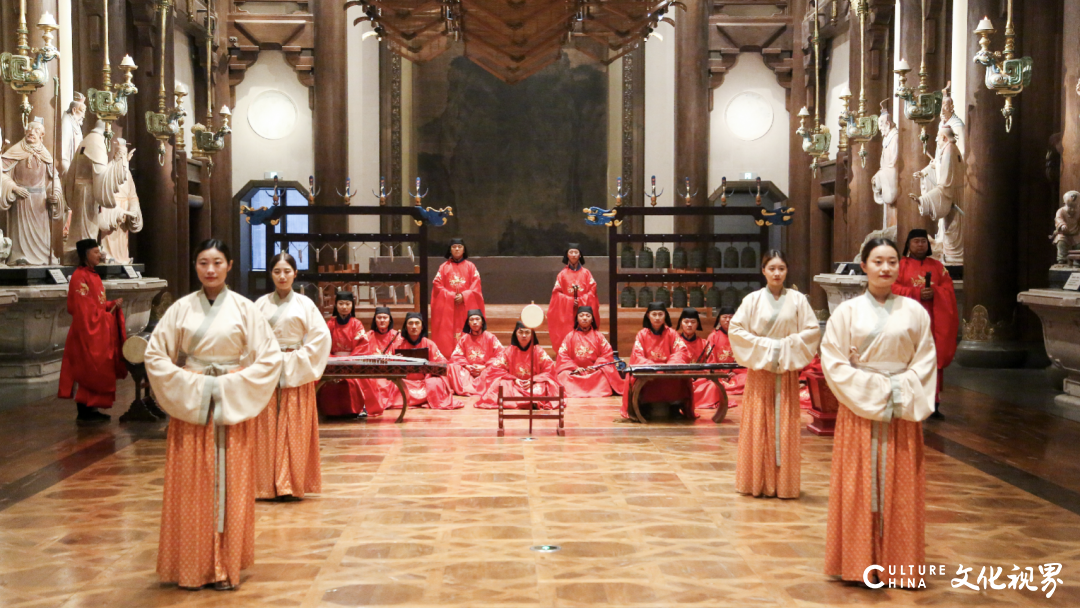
(576, 366)
(92, 357)
(522, 359)
(706, 394)
(574, 287)
(721, 353)
(346, 334)
(455, 291)
(658, 344)
(380, 340)
(476, 350)
(938, 298)
(424, 390)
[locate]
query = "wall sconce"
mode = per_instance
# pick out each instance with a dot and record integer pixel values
(922, 107)
(28, 70)
(816, 140)
(863, 127)
(163, 124)
(1005, 74)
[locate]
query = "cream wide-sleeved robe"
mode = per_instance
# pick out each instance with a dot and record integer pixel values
(877, 488)
(213, 367)
(774, 338)
(287, 431)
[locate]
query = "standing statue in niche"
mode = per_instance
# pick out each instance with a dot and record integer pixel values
(125, 215)
(884, 182)
(32, 195)
(949, 117)
(1067, 227)
(942, 187)
(90, 184)
(71, 127)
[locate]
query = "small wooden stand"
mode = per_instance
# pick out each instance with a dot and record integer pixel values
(823, 407)
(532, 415)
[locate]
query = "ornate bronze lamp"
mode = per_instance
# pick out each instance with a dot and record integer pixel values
(27, 70)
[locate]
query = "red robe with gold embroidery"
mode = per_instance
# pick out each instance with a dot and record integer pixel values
(584, 349)
(722, 354)
(447, 316)
(513, 365)
(473, 350)
(561, 314)
(944, 320)
(424, 389)
(706, 394)
(92, 352)
(367, 390)
(653, 349)
(342, 398)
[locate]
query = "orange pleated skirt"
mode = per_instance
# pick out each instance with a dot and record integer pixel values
(287, 445)
(756, 472)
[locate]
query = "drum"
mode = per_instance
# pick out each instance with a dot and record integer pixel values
(134, 348)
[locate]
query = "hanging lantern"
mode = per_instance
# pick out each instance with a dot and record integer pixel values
(749, 257)
(644, 296)
(645, 257)
(714, 258)
(662, 295)
(731, 257)
(629, 257)
(730, 297)
(713, 297)
(663, 257)
(678, 297)
(679, 259)
(628, 297)
(697, 258)
(696, 297)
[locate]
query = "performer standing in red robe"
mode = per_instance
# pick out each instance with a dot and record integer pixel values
(938, 298)
(721, 352)
(455, 290)
(346, 334)
(424, 389)
(706, 393)
(380, 340)
(586, 347)
(658, 344)
(476, 350)
(574, 287)
(513, 369)
(92, 355)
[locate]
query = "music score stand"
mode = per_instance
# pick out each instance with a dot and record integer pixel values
(532, 415)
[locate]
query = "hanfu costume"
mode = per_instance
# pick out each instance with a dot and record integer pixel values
(774, 338)
(574, 287)
(659, 348)
(886, 389)
(378, 343)
(454, 277)
(346, 334)
(582, 349)
(483, 349)
(287, 431)
(706, 393)
(517, 364)
(722, 353)
(213, 367)
(424, 390)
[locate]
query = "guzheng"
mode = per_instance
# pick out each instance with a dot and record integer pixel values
(382, 364)
(686, 367)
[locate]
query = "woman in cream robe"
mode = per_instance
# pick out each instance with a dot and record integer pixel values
(213, 367)
(774, 334)
(287, 431)
(879, 360)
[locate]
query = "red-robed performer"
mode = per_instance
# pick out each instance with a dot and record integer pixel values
(512, 370)
(476, 350)
(425, 390)
(580, 353)
(380, 341)
(346, 334)
(455, 290)
(574, 287)
(721, 352)
(706, 394)
(936, 296)
(92, 357)
(658, 344)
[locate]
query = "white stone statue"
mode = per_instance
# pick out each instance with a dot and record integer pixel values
(942, 187)
(949, 117)
(71, 126)
(126, 215)
(92, 184)
(1067, 228)
(5, 248)
(32, 196)
(884, 182)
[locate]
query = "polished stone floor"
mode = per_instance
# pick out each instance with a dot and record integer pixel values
(440, 512)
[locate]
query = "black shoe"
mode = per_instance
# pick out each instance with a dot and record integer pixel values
(362, 414)
(90, 415)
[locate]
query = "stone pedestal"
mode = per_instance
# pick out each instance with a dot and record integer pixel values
(840, 287)
(1059, 312)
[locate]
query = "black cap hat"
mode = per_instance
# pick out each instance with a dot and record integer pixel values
(473, 312)
(566, 258)
(916, 233)
(423, 330)
(344, 295)
(382, 310)
(655, 306)
(85, 245)
(690, 313)
(514, 338)
(458, 241)
(589, 310)
(724, 310)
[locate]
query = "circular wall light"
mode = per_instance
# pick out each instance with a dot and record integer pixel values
(749, 116)
(272, 115)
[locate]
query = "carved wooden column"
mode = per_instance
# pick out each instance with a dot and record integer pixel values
(330, 118)
(692, 109)
(801, 93)
(1070, 157)
(633, 133)
(390, 133)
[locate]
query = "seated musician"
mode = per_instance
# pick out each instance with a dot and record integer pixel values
(721, 352)
(476, 349)
(582, 351)
(380, 338)
(512, 371)
(658, 344)
(346, 334)
(424, 389)
(706, 394)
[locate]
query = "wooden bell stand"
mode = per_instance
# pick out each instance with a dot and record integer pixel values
(532, 316)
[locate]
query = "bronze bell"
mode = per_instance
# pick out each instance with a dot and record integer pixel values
(731, 257)
(629, 257)
(696, 296)
(645, 257)
(678, 297)
(644, 296)
(730, 297)
(679, 259)
(628, 297)
(662, 295)
(663, 257)
(749, 257)
(697, 258)
(713, 297)
(714, 258)
(749, 289)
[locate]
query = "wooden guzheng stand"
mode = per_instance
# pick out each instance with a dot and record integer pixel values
(386, 367)
(712, 371)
